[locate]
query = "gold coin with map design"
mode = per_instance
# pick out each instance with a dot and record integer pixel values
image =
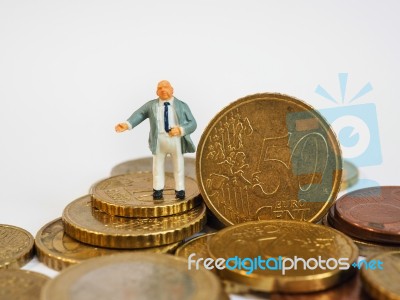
(284, 256)
(267, 157)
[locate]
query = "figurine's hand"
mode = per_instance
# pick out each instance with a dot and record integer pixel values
(120, 127)
(175, 131)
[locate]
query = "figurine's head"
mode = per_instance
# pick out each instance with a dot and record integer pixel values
(164, 90)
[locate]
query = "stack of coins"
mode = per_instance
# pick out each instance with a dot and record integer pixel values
(118, 216)
(145, 164)
(268, 166)
(371, 216)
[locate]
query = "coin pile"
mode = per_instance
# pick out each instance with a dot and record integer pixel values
(269, 157)
(268, 166)
(119, 215)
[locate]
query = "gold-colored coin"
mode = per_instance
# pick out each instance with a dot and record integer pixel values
(57, 250)
(21, 284)
(267, 157)
(383, 283)
(199, 247)
(349, 175)
(133, 276)
(16, 246)
(365, 248)
(92, 226)
(131, 195)
(145, 164)
(284, 256)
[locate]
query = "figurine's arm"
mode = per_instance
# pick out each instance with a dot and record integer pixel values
(135, 119)
(188, 125)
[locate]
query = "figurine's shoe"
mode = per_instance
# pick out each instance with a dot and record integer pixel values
(180, 194)
(157, 194)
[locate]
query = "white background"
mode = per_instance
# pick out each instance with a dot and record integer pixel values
(70, 70)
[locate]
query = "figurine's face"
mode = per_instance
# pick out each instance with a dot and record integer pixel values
(164, 90)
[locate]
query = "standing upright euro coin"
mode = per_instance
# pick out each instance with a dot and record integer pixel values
(267, 157)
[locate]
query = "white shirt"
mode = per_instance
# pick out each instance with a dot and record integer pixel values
(172, 119)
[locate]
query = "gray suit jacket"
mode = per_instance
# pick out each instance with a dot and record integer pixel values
(185, 120)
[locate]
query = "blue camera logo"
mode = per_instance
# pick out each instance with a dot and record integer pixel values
(356, 125)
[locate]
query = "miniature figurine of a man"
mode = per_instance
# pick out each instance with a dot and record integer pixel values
(171, 123)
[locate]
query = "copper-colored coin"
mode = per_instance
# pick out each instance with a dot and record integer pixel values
(92, 226)
(145, 164)
(16, 246)
(58, 250)
(141, 276)
(21, 284)
(349, 176)
(383, 284)
(131, 195)
(365, 248)
(284, 256)
(370, 214)
(267, 157)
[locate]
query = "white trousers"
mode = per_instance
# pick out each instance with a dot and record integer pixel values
(168, 145)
